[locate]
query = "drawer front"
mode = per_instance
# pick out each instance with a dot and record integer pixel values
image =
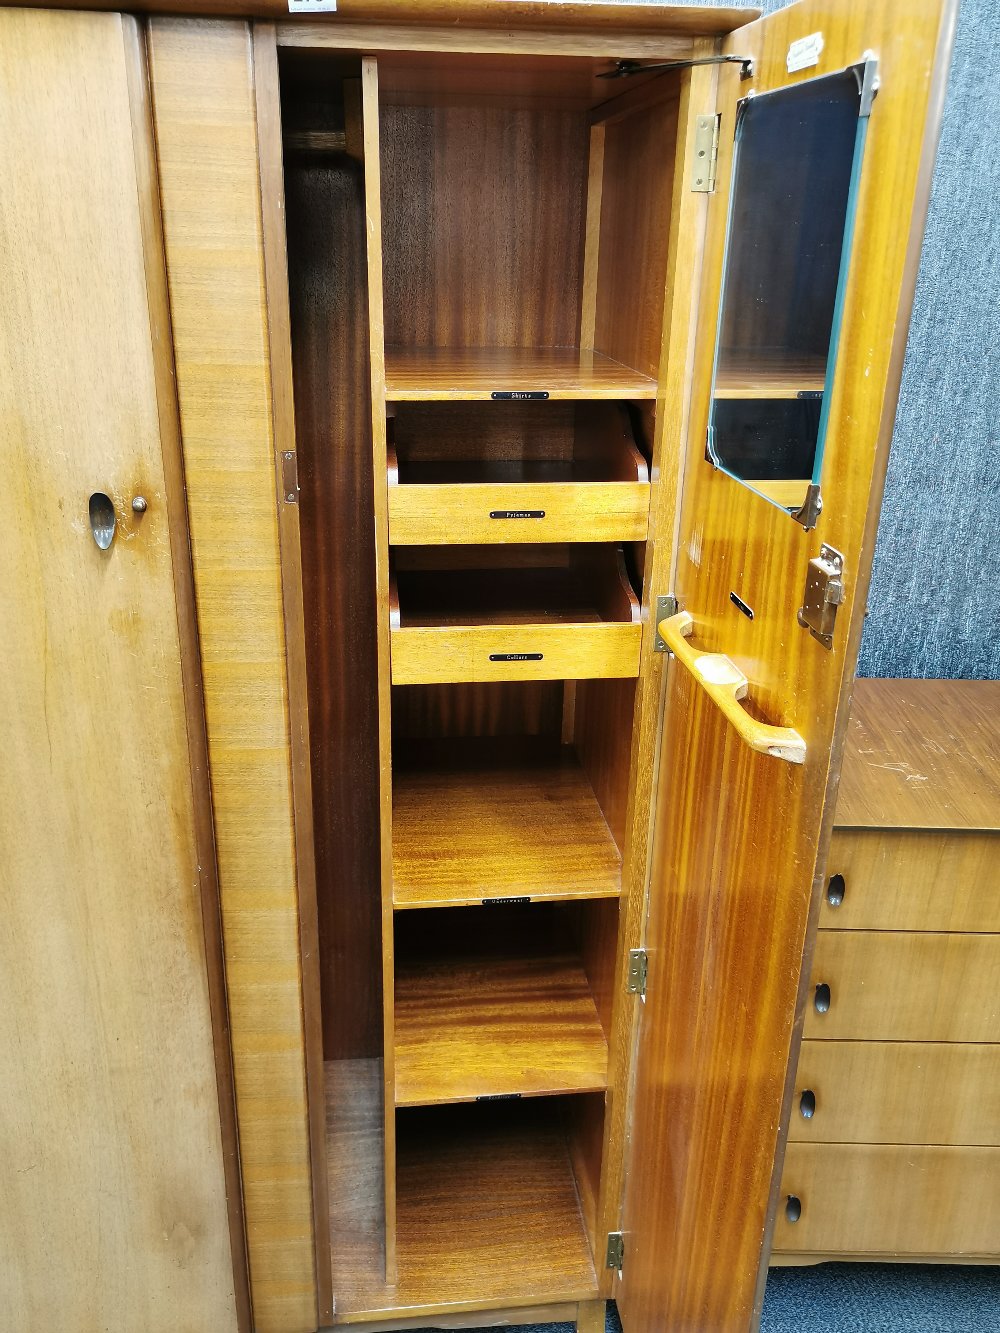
(424, 655)
(896, 1092)
(884, 1200)
(434, 515)
(913, 881)
(896, 986)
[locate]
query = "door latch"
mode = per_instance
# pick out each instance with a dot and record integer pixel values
(823, 594)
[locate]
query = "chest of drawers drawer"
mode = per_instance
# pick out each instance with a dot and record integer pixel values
(897, 1092)
(912, 879)
(904, 986)
(887, 1200)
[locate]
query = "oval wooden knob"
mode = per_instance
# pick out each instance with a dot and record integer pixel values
(835, 890)
(821, 1000)
(807, 1104)
(793, 1208)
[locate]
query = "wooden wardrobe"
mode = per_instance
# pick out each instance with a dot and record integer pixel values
(443, 452)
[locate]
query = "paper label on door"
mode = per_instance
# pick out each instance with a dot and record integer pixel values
(312, 6)
(801, 54)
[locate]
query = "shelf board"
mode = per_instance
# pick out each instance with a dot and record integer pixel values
(486, 1205)
(417, 374)
(495, 1024)
(474, 823)
(770, 377)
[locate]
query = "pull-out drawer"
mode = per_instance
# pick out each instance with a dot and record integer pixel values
(498, 473)
(891, 879)
(575, 618)
(897, 1092)
(885, 1200)
(904, 986)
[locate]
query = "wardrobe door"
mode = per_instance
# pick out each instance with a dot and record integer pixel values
(826, 143)
(113, 1172)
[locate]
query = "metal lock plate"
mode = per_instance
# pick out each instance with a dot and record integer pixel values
(823, 594)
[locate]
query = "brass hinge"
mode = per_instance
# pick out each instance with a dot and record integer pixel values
(706, 153)
(615, 1257)
(638, 966)
(665, 606)
(289, 477)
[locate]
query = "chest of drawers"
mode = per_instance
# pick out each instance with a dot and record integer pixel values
(894, 1142)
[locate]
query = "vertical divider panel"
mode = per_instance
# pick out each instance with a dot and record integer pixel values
(683, 268)
(376, 333)
(267, 95)
(205, 113)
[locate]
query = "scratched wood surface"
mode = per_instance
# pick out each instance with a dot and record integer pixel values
(203, 98)
(114, 1193)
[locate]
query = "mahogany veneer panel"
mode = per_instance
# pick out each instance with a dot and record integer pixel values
(487, 1210)
(488, 824)
(413, 374)
(493, 1024)
(922, 754)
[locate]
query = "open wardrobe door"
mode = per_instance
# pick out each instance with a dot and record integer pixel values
(826, 137)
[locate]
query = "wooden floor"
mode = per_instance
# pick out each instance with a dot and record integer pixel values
(487, 1210)
(495, 1022)
(413, 374)
(472, 826)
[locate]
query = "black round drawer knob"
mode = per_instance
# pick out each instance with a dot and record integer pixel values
(835, 890)
(821, 1000)
(793, 1208)
(807, 1104)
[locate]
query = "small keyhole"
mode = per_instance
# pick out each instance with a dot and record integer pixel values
(835, 890)
(807, 1104)
(102, 519)
(793, 1208)
(821, 1002)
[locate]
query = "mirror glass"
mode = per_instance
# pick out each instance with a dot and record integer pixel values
(796, 165)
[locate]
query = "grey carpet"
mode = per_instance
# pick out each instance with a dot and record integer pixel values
(868, 1298)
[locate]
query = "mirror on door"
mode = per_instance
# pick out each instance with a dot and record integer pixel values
(796, 165)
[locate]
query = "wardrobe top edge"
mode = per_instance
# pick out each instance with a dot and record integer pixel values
(565, 18)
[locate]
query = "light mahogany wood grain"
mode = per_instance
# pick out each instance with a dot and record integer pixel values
(459, 374)
(628, 804)
(898, 1092)
(636, 193)
(603, 20)
(502, 1175)
(922, 754)
(478, 824)
(570, 511)
(482, 40)
(913, 880)
(486, 1021)
(205, 120)
(113, 1181)
(739, 838)
(273, 215)
(906, 986)
(371, 146)
(891, 1201)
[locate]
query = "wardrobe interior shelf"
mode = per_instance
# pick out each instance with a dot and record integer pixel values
(768, 375)
(495, 1022)
(498, 473)
(577, 593)
(488, 819)
(487, 1211)
(512, 613)
(414, 374)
